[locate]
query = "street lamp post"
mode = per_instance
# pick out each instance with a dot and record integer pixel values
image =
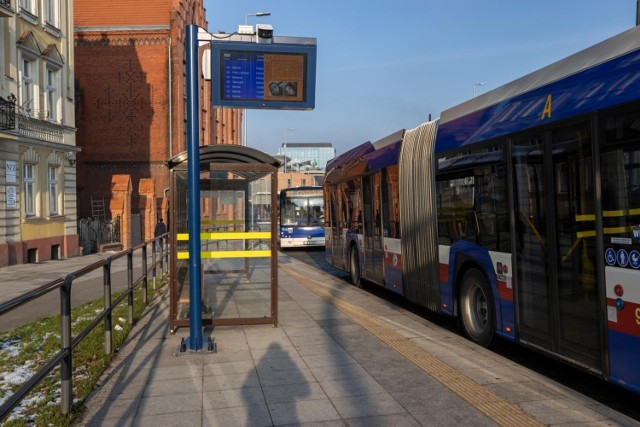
(245, 118)
(474, 87)
(286, 133)
(246, 16)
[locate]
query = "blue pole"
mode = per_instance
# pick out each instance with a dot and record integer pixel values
(193, 193)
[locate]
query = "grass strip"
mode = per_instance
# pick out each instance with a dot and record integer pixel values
(24, 350)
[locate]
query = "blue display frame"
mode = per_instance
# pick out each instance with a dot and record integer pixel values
(237, 76)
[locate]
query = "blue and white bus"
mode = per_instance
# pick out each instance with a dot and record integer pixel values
(301, 217)
(517, 212)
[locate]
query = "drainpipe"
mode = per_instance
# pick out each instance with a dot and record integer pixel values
(171, 101)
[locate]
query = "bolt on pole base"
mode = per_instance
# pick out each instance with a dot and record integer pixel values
(184, 348)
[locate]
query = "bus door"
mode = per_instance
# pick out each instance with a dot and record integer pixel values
(620, 175)
(556, 243)
(336, 221)
(373, 247)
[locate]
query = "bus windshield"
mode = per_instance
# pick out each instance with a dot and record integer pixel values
(302, 211)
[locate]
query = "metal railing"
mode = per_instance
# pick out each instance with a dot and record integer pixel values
(95, 232)
(64, 357)
(7, 113)
(33, 124)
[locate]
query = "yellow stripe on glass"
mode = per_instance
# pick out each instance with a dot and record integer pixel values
(626, 212)
(583, 234)
(222, 222)
(227, 254)
(617, 230)
(230, 235)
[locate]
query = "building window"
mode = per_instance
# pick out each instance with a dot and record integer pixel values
(28, 73)
(51, 12)
(53, 191)
(28, 6)
(52, 94)
(29, 181)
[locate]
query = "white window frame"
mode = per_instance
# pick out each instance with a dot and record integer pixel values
(30, 189)
(53, 174)
(52, 13)
(29, 6)
(29, 83)
(52, 94)
(27, 70)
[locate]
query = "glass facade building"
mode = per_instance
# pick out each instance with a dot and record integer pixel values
(307, 156)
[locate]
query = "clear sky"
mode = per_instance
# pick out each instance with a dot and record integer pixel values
(386, 65)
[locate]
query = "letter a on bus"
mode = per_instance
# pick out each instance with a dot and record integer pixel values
(547, 108)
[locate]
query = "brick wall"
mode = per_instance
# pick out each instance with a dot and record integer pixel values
(131, 115)
(91, 13)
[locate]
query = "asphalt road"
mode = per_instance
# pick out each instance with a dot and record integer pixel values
(18, 280)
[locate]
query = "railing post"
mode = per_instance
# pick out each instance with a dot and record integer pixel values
(108, 319)
(165, 257)
(144, 274)
(162, 259)
(167, 264)
(154, 260)
(66, 370)
(130, 284)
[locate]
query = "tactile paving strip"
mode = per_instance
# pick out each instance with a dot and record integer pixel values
(485, 400)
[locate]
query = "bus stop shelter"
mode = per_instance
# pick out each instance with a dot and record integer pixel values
(238, 247)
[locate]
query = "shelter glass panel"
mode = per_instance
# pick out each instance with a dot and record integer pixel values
(236, 246)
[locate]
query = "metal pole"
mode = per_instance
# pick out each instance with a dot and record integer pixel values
(66, 369)
(145, 270)
(194, 342)
(637, 12)
(130, 285)
(108, 319)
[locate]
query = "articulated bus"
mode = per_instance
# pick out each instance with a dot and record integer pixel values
(301, 217)
(517, 212)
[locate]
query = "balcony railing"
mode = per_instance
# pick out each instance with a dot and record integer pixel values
(5, 8)
(7, 113)
(33, 124)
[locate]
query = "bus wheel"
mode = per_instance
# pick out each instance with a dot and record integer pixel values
(477, 315)
(354, 263)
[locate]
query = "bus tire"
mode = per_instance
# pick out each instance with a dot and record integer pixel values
(477, 314)
(354, 267)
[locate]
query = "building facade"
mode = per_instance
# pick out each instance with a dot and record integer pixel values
(37, 132)
(131, 109)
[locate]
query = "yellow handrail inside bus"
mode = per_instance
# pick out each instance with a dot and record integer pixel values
(533, 227)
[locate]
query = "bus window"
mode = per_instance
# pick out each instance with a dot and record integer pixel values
(475, 208)
(620, 163)
(491, 209)
(456, 219)
(390, 202)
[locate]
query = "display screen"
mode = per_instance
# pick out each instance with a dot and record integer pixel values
(263, 76)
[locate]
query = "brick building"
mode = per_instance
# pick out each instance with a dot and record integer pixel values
(131, 101)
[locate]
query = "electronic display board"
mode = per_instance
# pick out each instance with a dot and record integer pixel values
(263, 76)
